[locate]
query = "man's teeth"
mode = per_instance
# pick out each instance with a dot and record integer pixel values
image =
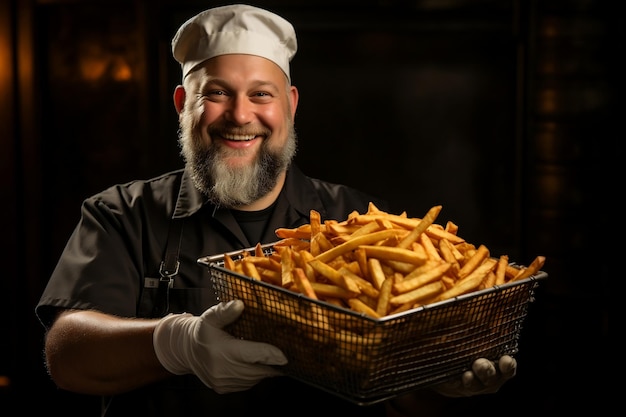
(239, 137)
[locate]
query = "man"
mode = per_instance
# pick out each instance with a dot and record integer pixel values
(130, 315)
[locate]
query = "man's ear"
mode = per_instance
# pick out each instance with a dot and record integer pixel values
(294, 96)
(179, 98)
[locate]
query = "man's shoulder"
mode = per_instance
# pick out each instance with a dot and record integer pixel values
(171, 179)
(335, 199)
(161, 189)
(342, 192)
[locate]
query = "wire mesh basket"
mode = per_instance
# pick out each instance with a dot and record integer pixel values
(367, 360)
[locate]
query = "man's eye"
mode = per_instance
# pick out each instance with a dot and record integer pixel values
(214, 95)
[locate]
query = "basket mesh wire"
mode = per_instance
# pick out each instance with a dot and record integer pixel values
(366, 360)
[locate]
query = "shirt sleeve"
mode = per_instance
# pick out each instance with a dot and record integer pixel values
(117, 241)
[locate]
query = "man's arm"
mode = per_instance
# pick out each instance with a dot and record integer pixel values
(90, 352)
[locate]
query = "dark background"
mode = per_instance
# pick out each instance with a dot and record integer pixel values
(505, 112)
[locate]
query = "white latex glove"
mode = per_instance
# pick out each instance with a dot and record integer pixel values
(187, 344)
(485, 377)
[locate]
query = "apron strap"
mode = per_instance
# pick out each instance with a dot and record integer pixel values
(169, 268)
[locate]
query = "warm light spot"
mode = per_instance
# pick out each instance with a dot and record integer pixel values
(121, 70)
(5, 381)
(5, 68)
(548, 101)
(92, 69)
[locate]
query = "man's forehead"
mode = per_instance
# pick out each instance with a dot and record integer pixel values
(238, 68)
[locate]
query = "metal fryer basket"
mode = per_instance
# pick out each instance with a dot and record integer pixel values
(366, 360)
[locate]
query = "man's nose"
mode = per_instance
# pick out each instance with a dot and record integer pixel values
(240, 110)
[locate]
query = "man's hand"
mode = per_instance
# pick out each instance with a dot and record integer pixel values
(485, 377)
(186, 344)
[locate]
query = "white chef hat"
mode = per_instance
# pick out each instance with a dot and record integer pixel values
(234, 29)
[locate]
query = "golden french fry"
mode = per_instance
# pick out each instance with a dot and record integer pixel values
(466, 285)
(419, 250)
(365, 286)
(465, 248)
(303, 283)
(456, 253)
(429, 247)
(425, 291)
(302, 232)
(309, 318)
(328, 291)
(382, 305)
(368, 301)
(334, 276)
(336, 301)
(261, 261)
(353, 267)
(361, 258)
(322, 243)
(273, 277)
(534, 267)
(448, 282)
(472, 263)
(438, 234)
(250, 270)
(292, 242)
(354, 243)
(511, 272)
(287, 265)
(401, 308)
(229, 263)
(445, 249)
(489, 281)
(365, 229)
(385, 224)
(470, 282)
(302, 261)
(395, 254)
(315, 220)
(451, 227)
(361, 307)
(421, 276)
(372, 209)
(395, 266)
(421, 227)
(258, 250)
(376, 272)
(503, 262)
(340, 229)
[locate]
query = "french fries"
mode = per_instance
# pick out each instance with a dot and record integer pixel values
(378, 263)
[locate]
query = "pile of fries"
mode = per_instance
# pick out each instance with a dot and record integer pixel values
(378, 263)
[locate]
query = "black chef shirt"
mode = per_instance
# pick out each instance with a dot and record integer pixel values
(112, 259)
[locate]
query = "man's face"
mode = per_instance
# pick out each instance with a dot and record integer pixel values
(237, 134)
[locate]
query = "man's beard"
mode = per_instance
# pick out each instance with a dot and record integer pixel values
(233, 186)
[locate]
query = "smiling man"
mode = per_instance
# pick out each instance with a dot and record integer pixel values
(129, 314)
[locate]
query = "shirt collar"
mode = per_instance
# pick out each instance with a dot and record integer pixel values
(189, 200)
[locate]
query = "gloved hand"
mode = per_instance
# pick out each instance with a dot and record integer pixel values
(486, 377)
(187, 344)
